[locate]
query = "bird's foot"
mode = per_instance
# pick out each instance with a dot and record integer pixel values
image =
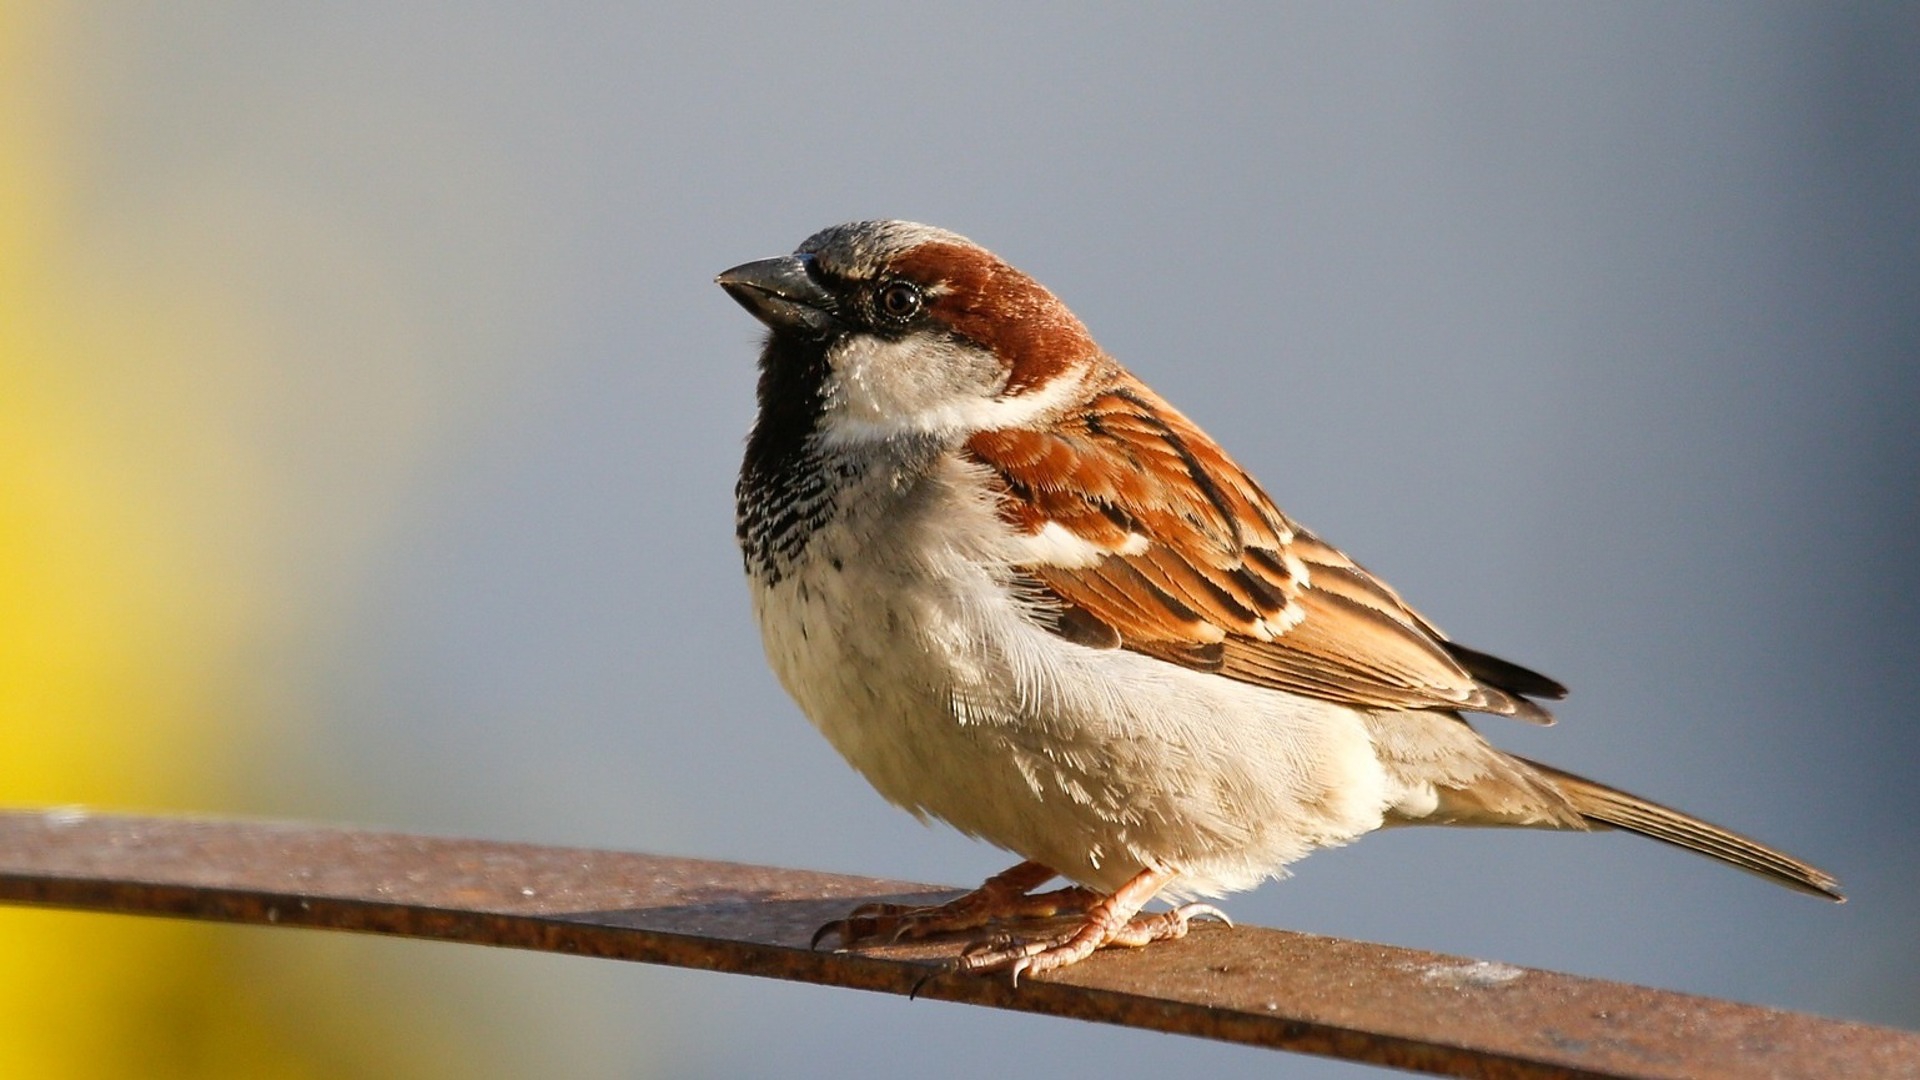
(1106, 926)
(1003, 897)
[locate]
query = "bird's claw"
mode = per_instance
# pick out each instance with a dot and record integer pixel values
(869, 921)
(1033, 957)
(893, 923)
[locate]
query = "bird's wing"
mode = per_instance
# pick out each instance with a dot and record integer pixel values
(1176, 553)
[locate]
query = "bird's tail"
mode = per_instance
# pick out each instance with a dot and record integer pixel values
(1602, 805)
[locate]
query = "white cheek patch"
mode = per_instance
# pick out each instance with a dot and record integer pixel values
(896, 384)
(880, 390)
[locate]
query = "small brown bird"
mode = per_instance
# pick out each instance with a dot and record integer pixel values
(1021, 593)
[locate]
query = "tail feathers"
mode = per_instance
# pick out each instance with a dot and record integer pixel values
(1602, 805)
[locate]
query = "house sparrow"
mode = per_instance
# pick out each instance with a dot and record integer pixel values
(1021, 593)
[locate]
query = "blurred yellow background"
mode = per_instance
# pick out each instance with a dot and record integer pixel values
(129, 385)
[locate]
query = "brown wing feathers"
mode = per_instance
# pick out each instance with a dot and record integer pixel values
(1203, 570)
(1505, 674)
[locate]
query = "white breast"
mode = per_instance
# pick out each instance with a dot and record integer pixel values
(898, 635)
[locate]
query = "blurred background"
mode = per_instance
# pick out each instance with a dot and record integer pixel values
(368, 423)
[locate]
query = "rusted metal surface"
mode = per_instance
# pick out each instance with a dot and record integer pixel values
(1346, 999)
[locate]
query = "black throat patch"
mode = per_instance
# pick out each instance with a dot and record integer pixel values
(783, 493)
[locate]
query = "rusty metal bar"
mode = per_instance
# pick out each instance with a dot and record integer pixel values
(1346, 999)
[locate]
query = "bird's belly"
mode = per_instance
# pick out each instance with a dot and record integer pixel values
(1097, 763)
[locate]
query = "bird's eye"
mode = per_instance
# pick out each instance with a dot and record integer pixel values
(900, 300)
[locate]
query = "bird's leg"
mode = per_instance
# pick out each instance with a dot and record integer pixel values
(1006, 895)
(1112, 921)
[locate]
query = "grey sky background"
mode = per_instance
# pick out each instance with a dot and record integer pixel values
(1593, 329)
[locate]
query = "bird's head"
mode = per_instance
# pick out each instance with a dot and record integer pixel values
(888, 329)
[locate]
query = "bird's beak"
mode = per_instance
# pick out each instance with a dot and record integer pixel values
(782, 293)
